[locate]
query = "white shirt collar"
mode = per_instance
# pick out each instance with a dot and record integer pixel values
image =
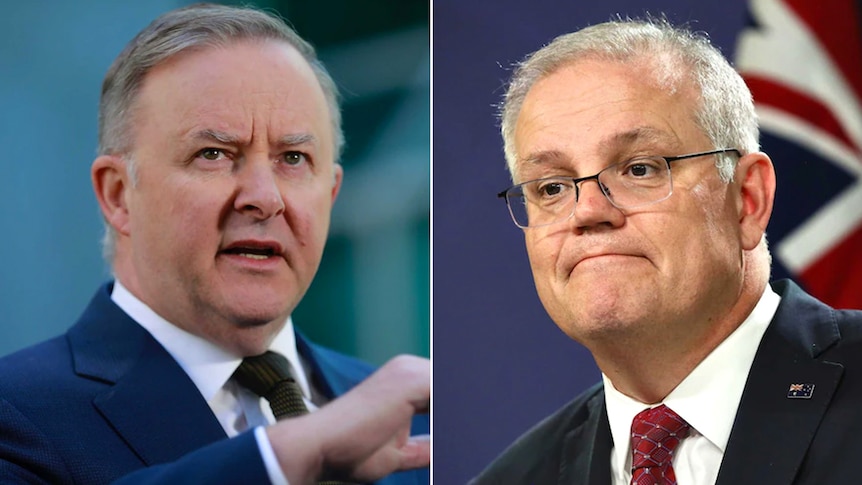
(709, 396)
(207, 365)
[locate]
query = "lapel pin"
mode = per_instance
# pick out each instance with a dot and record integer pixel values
(800, 391)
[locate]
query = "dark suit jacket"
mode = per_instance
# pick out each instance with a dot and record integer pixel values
(775, 439)
(106, 400)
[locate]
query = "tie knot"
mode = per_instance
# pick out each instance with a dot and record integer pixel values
(656, 433)
(261, 373)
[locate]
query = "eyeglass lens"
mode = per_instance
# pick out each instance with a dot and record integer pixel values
(628, 184)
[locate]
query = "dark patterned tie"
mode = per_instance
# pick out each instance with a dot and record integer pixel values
(656, 433)
(268, 375)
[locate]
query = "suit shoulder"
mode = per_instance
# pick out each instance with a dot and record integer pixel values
(820, 330)
(535, 456)
(847, 347)
(847, 325)
(850, 322)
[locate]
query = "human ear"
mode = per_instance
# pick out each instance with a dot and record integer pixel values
(755, 177)
(338, 175)
(110, 181)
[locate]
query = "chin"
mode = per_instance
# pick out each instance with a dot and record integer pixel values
(600, 314)
(261, 301)
(601, 327)
(256, 312)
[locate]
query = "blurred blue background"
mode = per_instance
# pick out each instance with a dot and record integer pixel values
(371, 296)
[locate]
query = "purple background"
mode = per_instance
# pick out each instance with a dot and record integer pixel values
(500, 363)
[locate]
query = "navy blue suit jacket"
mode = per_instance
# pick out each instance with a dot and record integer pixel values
(775, 440)
(106, 400)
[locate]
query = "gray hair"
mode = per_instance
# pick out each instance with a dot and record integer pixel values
(724, 111)
(191, 28)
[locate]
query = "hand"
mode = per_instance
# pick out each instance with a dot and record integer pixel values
(365, 434)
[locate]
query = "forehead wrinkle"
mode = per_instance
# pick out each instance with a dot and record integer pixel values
(639, 135)
(642, 136)
(611, 148)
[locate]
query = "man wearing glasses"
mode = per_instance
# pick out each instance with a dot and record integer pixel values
(644, 203)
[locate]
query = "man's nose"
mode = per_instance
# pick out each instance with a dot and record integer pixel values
(258, 190)
(593, 208)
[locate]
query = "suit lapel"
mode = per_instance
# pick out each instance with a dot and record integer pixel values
(772, 432)
(158, 411)
(586, 451)
(333, 374)
(150, 402)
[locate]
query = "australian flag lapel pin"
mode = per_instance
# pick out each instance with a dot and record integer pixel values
(800, 391)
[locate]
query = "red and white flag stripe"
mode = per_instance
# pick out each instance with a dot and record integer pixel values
(803, 64)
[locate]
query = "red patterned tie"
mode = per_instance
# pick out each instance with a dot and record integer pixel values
(655, 434)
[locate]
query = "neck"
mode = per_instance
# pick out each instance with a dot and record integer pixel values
(655, 372)
(662, 362)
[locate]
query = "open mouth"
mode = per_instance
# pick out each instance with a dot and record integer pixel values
(251, 253)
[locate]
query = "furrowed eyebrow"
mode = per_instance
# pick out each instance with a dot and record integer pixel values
(298, 139)
(531, 166)
(612, 143)
(613, 146)
(219, 136)
(544, 156)
(228, 139)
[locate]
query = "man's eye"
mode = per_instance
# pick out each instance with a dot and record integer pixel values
(211, 154)
(641, 168)
(551, 189)
(293, 158)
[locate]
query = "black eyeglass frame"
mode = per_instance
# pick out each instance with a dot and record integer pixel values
(577, 181)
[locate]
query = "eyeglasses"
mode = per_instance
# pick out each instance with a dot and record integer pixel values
(627, 185)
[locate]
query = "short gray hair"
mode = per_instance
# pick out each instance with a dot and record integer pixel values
(725, 111)
(191, 28)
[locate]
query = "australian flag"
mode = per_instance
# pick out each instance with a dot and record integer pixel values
(802, 60)
(800, 391)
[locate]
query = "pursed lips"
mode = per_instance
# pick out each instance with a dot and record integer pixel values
(603, 255)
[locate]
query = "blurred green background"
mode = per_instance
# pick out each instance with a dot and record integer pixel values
(371, 295)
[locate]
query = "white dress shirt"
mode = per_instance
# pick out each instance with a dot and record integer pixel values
(707, 399)
(210, 368)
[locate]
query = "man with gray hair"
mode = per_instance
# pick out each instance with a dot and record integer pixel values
(644, 201)
(219, 139)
